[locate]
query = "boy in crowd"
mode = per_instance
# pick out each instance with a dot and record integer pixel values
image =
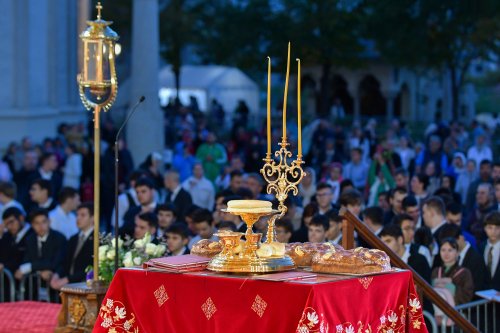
(351, 200)
(41, 195)
(80, 250)
(410, 207)
(490, 249)
(396, 197)
(45, 248)
(468, 256)
(497, 195)
(373, 218)
(62, 218)
(407, 225)
(204, 226)
(144, 187)
(166, 218)
(284, 230)
(8, 191)
(454, 216)
(177, 240)
(317, 229)
(324, 196)
(146, 223)
(392, 236)
(334, 233)
(14, 240)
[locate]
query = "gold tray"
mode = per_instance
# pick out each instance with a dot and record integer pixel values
(246, 265)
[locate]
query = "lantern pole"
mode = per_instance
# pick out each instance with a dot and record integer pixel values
(97, 188)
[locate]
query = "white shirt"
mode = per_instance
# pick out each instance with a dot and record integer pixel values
(45, 175)
(496, 255)
(337, 239)
(47, 203)
(63, 222)
(22, 232)
(406, 255)
(463, 253)
(124, 205)
(174, 193)
(202, 191)
(73, 171)
(478, 155)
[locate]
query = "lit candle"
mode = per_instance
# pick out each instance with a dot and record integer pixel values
(269, 106)
(299, 122)
(286, 92)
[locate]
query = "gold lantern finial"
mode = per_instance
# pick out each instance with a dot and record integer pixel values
(99, 8)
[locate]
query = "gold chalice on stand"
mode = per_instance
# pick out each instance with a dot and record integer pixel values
(248, 261)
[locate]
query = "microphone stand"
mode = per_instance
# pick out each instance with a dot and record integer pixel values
(116, 176)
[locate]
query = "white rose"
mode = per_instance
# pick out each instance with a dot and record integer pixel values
(150, 249)
(111, 254)
(139, 244)
(160, 250)
(128, 262)
(137, 261)
(120, 243)
(102, 252)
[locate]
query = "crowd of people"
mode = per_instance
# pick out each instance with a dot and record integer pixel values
(434, 200)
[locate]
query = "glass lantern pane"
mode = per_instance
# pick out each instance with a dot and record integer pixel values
(91, 60)
(105, 61)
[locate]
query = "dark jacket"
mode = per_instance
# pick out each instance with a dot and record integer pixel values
(182, 202)
(12, 253)
(80, 262)
(51, 255)
(492, 282)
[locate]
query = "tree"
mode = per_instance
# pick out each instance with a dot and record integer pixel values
(445, 36)
(177, 31)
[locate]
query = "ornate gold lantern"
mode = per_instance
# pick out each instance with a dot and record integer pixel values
(98, 88)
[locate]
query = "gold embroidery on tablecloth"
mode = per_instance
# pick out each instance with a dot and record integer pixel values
(391, 321)
(366, 281)
(259, 306)
(310, 322)
(161, 295)
(114, 318)
(208, 308)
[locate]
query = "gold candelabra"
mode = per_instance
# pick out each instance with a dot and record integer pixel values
(280, 175)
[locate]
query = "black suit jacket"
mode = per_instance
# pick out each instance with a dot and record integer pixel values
(129, 220)
(492, 282)
(55, 181)
(476, 265)
(52, 253)
(420, 265)
(82, 260)
(12, 253)
(182, 202)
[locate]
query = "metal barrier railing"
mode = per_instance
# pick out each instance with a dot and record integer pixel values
(481, 313)
(33, 288)
(5, 274)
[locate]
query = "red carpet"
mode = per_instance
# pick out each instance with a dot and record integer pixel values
(28, 317)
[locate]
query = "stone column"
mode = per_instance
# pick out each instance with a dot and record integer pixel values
(7, 53)
(145, 129)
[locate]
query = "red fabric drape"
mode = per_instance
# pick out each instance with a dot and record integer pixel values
(142, 301)
(28, 317)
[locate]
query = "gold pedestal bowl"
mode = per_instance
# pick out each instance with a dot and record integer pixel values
(237, 257)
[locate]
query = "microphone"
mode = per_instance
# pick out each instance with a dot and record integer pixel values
(131, 113)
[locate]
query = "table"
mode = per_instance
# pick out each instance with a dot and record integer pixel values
(147, 301)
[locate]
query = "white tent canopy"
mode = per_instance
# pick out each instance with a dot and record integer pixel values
(226, 84)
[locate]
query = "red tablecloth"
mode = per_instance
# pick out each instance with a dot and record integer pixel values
(28, 317)
(145, 301)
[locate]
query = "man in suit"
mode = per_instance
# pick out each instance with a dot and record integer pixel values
(433, 213)
(15, 238)
(373, 218)
(392, 236)
(176, 195)
(48, 171)
(41, 195)
(144, 188)
(490, 249)
(468, 256)
(80, 250)
(45, 248)
(396, 197)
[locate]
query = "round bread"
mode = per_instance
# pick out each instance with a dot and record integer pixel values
(357, 261)
(206, 248)
(303, 253)
(249, 206)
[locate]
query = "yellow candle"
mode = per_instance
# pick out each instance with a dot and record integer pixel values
(286, 92)
(269, 138)
(299, 116)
